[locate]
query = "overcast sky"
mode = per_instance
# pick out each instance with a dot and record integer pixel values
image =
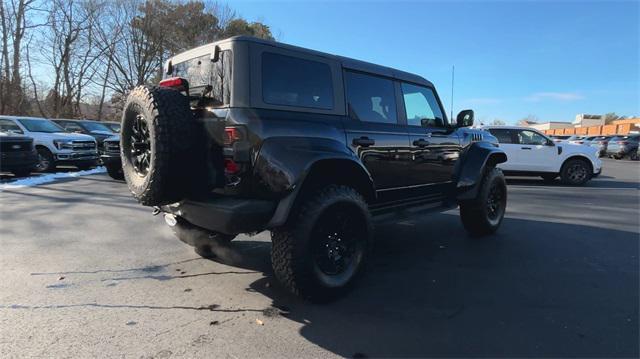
(512, 59)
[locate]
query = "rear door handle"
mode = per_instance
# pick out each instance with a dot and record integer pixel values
(364, 142)
(421, 142)
(526, 148)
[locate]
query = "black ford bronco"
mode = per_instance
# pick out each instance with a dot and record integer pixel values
(246, 135)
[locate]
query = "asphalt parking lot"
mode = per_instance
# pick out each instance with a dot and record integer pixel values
(88, 272)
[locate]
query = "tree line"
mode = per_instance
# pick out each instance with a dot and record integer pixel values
(80, 58)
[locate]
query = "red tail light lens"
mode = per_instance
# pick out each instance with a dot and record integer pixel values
(177, 83)
(231, 135)
(623, 142)
(230, 166)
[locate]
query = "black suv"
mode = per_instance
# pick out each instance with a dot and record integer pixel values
(95, 129)
(245, 135)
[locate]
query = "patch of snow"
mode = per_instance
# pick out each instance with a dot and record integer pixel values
(51, 177)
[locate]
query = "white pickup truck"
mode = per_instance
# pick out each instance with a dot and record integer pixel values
(530, 153)
(53, 144)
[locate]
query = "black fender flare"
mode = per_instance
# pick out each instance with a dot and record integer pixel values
(471, 166)
(285, 164)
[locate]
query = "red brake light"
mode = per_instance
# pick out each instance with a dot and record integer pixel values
(230, 166)
(623, 142)
(231, 135)
(177, 83)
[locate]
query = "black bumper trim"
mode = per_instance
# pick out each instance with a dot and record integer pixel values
(225, 215)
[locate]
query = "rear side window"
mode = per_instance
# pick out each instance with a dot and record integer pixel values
(503, 135)
(291, 81)
(370, 98)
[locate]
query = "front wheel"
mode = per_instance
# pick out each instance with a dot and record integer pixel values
(575, 172)
(45, 160)
(324, 248)
(484, 214)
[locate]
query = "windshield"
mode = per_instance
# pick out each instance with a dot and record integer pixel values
(95, 126)
(33, 125)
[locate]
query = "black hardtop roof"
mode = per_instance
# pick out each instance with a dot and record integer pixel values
(346, 62)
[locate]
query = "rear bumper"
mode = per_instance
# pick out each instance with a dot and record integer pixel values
(17, 160)
(224, 214)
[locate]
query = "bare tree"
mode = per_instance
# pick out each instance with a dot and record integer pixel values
(14, 15)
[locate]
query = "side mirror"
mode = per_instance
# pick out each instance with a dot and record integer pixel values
(465, 118)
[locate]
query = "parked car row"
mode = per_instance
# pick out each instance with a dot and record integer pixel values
(30, 143)
(621, 145)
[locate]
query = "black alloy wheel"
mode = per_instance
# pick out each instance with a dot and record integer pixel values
(140, 153)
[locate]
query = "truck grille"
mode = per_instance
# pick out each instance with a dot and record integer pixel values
(15, 146)
(111, 146)
(83, 145)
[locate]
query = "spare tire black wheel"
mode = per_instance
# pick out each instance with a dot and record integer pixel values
(157, 144)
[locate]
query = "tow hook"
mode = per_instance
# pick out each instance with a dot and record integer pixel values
(156, 211)
(170, 219)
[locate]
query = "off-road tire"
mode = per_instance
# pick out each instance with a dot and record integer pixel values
(293, 254)
(571, 178)
(115, 171)
(171, 140)
(46, 155)
(476, 216)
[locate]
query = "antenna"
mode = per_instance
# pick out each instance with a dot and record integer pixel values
(453, 71)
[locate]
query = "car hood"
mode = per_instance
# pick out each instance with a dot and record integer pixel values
(102, 133)
(63, 136)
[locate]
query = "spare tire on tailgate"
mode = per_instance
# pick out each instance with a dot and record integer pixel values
(158, 143)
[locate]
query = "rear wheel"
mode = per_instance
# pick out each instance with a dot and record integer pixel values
(45, 160)
(575, 172)
(324, 248)
(484, 214)
(634, 156)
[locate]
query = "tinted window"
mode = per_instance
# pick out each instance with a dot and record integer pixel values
(95, 126)
(200, 71)
(503, 135)
(421, 106)
(292, 81)
(531, 138)
(71, 126)
(370, 98)
(8, 125)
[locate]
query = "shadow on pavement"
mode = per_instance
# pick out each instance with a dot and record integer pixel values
(433, 291)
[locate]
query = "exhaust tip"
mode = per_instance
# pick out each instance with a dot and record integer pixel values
(170, 219)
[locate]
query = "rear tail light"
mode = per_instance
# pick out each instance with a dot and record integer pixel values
(232, 134)
(177, 83)
(230, 166)
(579, 142)
(623, 142)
